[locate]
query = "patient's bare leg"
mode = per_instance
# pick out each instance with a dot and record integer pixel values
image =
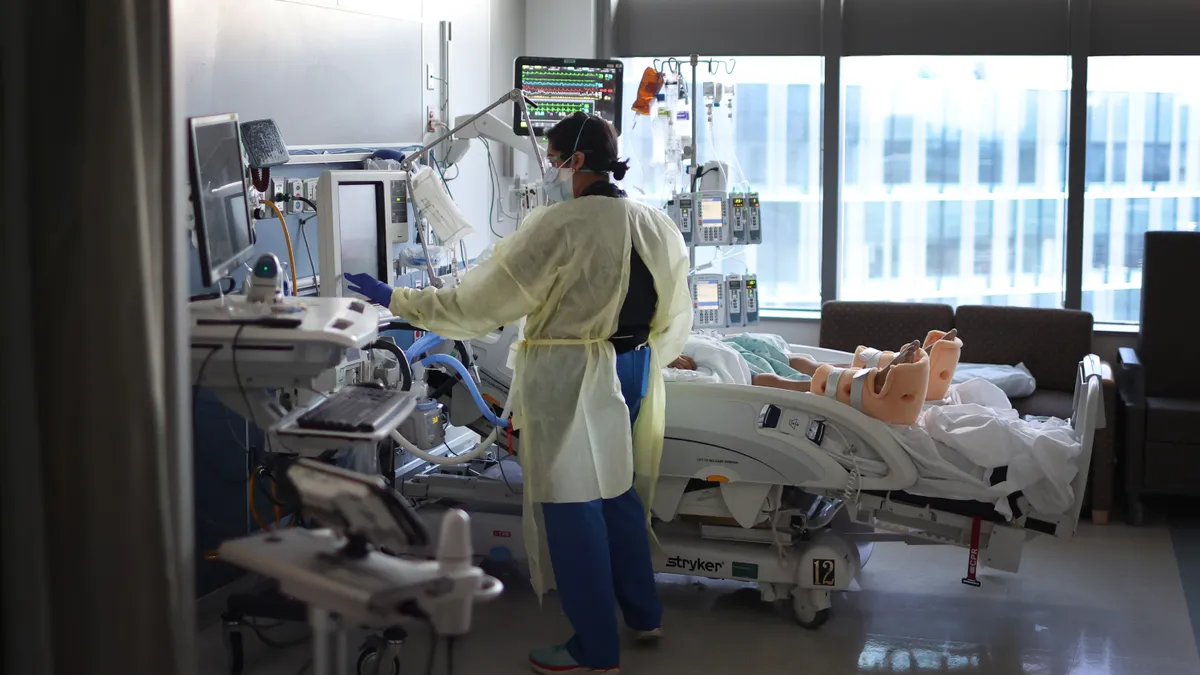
(906, 355)
(803, 364)
(777, 382)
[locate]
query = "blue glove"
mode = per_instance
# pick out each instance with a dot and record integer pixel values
(375, 290)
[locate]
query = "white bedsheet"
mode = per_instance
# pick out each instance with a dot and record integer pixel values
(716, 362)
(958, 445)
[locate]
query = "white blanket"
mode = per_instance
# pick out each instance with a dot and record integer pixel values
(716, 362)
(957, 446)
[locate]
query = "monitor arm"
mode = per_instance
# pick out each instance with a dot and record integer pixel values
(485, 125)
(491, 128)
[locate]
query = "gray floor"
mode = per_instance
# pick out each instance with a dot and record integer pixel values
(1111, 601)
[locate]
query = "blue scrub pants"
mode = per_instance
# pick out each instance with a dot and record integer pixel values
(601, 550)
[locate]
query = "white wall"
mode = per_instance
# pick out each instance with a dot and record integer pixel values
(335, 77)
(563, 28)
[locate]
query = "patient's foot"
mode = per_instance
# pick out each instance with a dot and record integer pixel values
(684, 362)
(948, 337)
(907, 355)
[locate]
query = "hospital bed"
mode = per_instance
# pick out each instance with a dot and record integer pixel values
(762, 485)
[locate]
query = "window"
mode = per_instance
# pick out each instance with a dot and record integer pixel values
(943, 239)
(1149, 100)
(897, 237)
(1183, 142)
(853, 131)
(897, 150)
(1101, 233)
(751, 118)
(772, 143)
(991, 144)
(799, 105)
(1169, 220)
(983, 238)
(943, 147)
(875, 229)
(1097, 150)
(1038, 235)
(1156, 157)
(1120, 135)
(935, 132)
(1027, 148)
(1136, 224)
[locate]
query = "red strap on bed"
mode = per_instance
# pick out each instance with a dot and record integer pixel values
(973, 559)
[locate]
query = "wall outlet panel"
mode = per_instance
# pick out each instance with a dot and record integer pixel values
(310, 193)
(295, 190)
(279, 187)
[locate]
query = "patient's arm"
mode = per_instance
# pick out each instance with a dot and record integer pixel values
(777, 382)
(684, 362)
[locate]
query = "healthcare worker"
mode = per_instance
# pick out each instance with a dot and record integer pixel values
(602, 282)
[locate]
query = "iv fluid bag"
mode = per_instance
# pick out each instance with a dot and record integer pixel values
(430, 197)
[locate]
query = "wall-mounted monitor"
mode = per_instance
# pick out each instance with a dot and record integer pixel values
(562, 87)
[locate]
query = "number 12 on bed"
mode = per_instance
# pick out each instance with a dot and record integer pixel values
(824, 572)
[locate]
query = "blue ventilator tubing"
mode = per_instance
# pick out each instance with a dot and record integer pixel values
(458, 366)
(422, 345)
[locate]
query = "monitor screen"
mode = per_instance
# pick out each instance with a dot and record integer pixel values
(708, 294)
(361, 219)
(711, 211)
(562, 87)
(222, 212)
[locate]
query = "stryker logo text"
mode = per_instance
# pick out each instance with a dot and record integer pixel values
(695, 565)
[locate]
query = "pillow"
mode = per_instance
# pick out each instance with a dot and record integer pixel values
(1015, 381)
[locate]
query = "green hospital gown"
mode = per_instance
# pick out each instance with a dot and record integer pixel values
(765, 353)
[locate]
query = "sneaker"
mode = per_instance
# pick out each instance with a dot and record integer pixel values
(557, 660)
(648, 637)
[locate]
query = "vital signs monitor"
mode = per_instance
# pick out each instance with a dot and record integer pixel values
(559, 88)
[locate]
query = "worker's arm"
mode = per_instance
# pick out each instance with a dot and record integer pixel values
(506, 287)
(676, 320)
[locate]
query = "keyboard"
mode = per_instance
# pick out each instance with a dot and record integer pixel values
(353, 408)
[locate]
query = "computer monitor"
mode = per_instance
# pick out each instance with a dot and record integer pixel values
(562, 87)
(222, 211)
(360, 214)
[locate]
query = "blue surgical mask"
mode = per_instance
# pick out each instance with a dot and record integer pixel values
(558, 186)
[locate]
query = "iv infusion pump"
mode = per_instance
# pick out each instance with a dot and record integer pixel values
(720, 301)
(710, 218)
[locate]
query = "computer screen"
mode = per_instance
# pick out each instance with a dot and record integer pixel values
(562, 87)
(218, 176)
(708, 294)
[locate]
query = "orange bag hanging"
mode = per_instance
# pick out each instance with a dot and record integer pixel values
(652, 81)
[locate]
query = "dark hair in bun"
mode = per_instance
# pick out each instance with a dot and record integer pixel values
(618, 168)
(597, 140)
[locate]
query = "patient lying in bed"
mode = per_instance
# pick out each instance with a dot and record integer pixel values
(758, 359)
(970, 445)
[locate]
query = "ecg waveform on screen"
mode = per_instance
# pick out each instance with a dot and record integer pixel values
(560, 92)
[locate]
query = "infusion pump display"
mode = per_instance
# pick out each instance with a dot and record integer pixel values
(720, 301)
(717, 218)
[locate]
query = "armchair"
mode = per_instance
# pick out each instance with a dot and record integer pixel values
(1158, 380)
